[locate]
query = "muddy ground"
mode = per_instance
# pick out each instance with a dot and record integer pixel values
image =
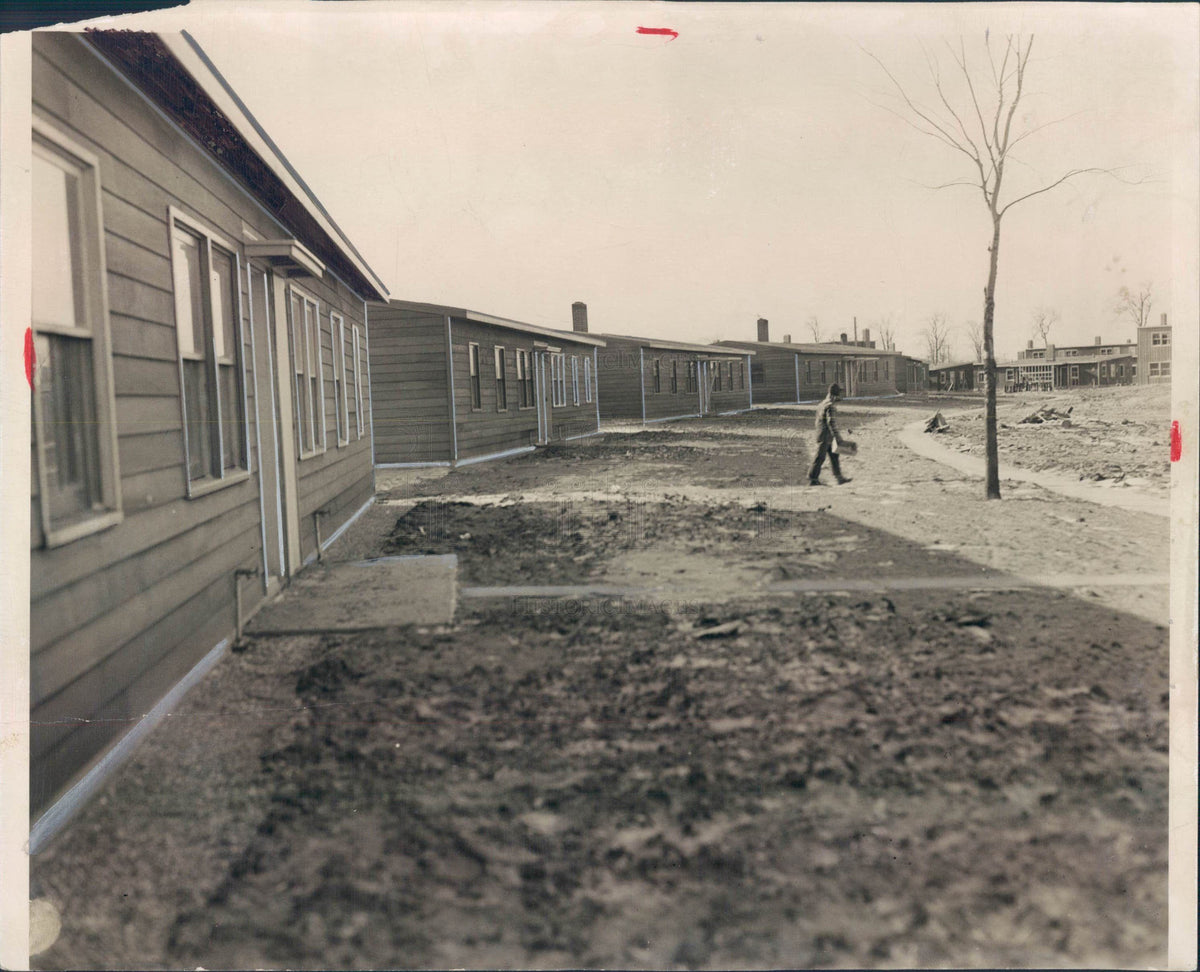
(739, 766)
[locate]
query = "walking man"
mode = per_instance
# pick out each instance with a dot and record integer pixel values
(827, 439)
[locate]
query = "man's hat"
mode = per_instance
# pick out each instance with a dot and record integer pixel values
(835, 389)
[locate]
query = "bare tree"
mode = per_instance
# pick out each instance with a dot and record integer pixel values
(814, 328)
(980, 130)
(1135, 304)
(937, 338)
(885, 327)
(975, 336)
(1043, 319)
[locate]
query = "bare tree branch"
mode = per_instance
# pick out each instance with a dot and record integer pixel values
(1056, 182)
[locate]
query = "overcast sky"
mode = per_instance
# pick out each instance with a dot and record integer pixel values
(512, 158)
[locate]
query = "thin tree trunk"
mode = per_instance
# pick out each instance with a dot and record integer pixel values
(989, 307)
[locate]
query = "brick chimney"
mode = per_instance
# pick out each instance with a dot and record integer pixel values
(579, 317)
(787, 339)
(844, 339)
(1050, 351)
(1097, 339)
(1163, 318)
(1029, 344)
(762, 329)
(867, 336)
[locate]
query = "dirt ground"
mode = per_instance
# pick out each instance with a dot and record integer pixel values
(1112, 435)
(739, 764)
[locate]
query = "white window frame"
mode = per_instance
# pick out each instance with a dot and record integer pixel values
(558, 379)
(587, 380)
(575, 378)
(337, 342)
(94, 282)
(501, 378)
(474, 378)
(313, 370)
(359, 418)
(209, 483)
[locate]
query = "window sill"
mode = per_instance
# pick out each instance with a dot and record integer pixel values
(76, 531)
(311, 455)
(205, 486)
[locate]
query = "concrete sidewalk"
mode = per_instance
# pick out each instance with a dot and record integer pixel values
(923, 444)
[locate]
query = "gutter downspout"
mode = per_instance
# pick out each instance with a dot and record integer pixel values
(370, 396)
(642, 380)
(450, 385)
(596, 383)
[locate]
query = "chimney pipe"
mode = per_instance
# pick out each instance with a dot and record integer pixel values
(762, 329)
(579, 317)
(855, 330)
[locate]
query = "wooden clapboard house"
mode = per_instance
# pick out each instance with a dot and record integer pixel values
(784, 371)
(650, 380)
(454, 386)
(202, 407)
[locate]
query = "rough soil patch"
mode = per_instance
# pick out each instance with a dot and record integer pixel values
(1117, 435)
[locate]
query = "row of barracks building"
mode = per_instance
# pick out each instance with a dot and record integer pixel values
(217, 374)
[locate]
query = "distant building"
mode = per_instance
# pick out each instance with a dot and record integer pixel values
(1098, 349)
(1154, 353)
(1063, 371)
(454, 386)
(787, 372)
(958, 376)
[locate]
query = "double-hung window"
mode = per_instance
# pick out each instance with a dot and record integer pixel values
(527, 395)
(575, 379)
(521, 367)
(587, 380)
(74, 442)
(473, 367)
(674, 377)
(501, 382)
(304, 334)
(208, 330)
(337, 332)
(359, 417)
(657, 386)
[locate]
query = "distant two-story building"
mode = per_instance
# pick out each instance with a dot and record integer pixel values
(1154, 353)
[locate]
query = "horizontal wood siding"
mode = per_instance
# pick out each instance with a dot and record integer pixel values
(735, 398)
(619, 380)
(117, 617)
(408, 379)
(667, 404)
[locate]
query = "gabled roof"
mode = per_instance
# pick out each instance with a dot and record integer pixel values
(659, 345)
(956, 364)
(175, 73)
(830, 349)
(1072, 359)
(470, 315)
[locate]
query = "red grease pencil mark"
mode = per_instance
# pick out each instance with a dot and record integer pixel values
(30, 355)
(667, 31)
(1176, 443)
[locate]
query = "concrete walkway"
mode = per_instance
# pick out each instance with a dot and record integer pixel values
(924, 444)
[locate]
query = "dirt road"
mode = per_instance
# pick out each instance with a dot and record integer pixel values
(830, 727)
